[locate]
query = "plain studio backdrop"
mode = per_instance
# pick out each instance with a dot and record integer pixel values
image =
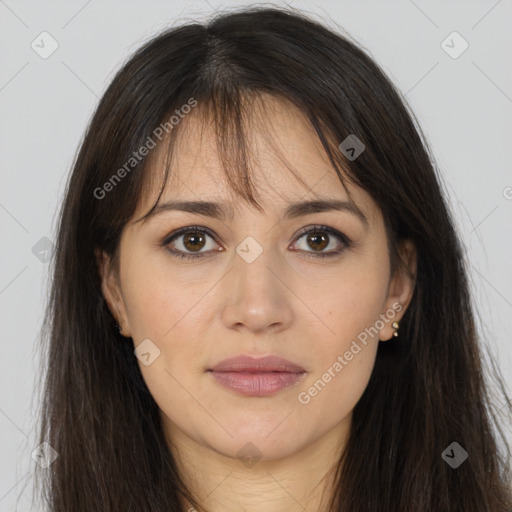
(451, 60)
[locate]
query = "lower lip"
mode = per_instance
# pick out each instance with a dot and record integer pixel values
(257, 384)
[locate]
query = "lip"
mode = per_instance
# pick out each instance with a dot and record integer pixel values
(250, 364)
(262, 376)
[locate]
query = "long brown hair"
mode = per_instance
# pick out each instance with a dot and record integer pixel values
(426, 391)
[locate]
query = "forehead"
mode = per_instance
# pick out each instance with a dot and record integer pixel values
(286, 160)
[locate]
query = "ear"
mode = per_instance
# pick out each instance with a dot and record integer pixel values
(111, 290)
(401, 287)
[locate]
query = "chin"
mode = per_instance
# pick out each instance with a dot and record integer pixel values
(258, 440)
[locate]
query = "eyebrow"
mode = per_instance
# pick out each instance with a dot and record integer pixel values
(292, 211)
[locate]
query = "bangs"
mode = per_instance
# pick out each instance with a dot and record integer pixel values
(233, 115)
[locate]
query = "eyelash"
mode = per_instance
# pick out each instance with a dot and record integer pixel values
(308, 230)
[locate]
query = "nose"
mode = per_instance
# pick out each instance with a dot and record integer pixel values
(257, 297)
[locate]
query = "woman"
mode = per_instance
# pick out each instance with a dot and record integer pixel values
(259, 300)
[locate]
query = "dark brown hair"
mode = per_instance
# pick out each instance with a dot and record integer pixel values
(425, 392)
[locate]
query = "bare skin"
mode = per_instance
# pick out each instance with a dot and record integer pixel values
(288, 302)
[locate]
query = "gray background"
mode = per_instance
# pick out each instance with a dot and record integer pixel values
(463, 104)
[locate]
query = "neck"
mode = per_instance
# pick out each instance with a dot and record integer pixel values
(301, 481)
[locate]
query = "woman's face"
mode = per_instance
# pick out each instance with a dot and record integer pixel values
(256, 286)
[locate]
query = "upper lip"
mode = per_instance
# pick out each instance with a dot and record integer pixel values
(246, 363)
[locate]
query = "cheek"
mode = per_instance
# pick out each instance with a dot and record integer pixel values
(348, 302)
(333, 393)
(175, 315)
(344, 364)
(346, 355)
(161, 308)
(157, 301)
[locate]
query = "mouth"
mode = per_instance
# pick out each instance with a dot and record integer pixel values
(251, 376)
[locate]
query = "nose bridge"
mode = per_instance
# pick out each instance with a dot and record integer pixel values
(256, 297)
(253, 263)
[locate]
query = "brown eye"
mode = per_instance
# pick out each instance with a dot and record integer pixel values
(318, 238)
(318, 242)
(189, 242)
(194, 241)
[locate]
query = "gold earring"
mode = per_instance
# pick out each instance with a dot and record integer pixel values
(395, 326)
